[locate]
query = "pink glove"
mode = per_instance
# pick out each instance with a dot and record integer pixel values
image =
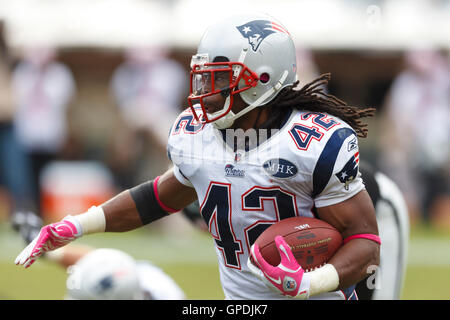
(288, 277)
(51, 237)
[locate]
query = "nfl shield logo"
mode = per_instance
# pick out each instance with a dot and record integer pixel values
(289, 284)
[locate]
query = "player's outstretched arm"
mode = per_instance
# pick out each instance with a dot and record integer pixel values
(146, 203)
(127, 211)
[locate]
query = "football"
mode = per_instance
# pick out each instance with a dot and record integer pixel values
(313, 241)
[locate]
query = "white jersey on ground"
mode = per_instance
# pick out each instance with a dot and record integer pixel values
(156, 284)
(312, 161)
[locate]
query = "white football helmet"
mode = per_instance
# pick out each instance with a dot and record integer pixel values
(104, 274)
(252, 55)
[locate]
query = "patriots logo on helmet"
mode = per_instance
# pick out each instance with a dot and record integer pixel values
(257, 30)
(349, 171)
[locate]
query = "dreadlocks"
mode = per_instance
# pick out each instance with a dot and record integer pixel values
(312, 97)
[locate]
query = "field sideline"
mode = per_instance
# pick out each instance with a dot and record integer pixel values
(189, 258)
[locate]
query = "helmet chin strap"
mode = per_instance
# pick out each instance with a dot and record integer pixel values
(228, 120)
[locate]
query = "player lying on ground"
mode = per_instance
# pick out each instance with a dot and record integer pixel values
(253, 149)
(111, 274)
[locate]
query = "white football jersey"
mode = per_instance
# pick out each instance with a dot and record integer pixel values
(156, 284)
(312, 161)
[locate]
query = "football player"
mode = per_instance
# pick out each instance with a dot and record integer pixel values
(111, 274)
(253, 149)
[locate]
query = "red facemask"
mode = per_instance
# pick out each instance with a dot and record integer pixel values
(217, 78)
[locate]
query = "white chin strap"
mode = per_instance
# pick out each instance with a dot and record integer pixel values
(228, 120)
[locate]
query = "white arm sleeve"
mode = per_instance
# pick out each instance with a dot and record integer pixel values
(180, 177)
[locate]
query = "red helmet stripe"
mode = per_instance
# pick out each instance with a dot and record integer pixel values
(279, 28)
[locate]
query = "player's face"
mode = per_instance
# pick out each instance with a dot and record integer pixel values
(219, 82)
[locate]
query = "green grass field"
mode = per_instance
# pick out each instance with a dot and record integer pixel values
(190, 259)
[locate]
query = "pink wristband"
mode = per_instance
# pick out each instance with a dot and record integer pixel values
(368, 236)
(162, 205)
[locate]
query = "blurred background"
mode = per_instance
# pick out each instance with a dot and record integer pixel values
(89, 89)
